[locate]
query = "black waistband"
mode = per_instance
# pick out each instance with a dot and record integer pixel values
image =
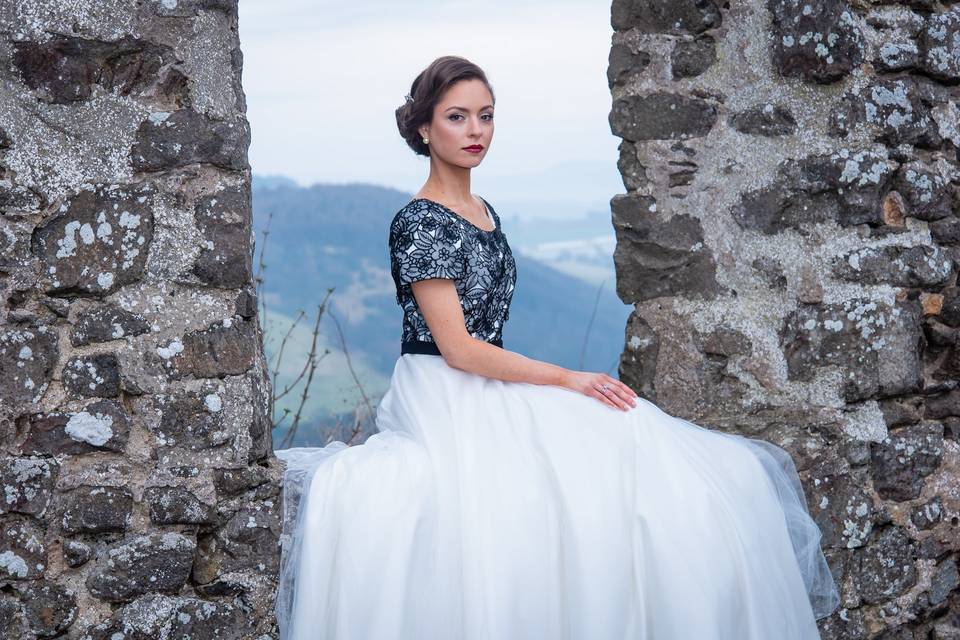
(423, 346)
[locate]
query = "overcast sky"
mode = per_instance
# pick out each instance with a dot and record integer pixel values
(323, 78)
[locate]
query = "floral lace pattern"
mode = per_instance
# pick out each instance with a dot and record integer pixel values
(428, 240)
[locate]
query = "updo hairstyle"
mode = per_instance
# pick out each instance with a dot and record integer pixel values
(427, 90)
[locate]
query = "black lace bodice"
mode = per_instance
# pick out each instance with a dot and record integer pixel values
(429, 240)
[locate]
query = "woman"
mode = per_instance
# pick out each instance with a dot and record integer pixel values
(504, 498)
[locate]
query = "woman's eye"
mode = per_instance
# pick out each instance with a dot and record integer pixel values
(458, 115)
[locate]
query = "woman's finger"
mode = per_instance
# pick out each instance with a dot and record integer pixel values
(622, 394)
(626, 397)
(611, 395)
(621, 385)
(602, 397)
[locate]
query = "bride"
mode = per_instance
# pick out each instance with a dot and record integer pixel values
(504, 498)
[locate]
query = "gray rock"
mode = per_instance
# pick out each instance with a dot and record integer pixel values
(155, 616)
(101, 425)
(661, 116)
(764, 120)
(155, 562)
(665, 16)
(846, 187)
(226, 348)
(49, 608)
(27, 485)
(623, 63)
(76, 553)
(98, 241)
(884, 568)
(168, 140)
(191, 422)
(946, 231)
(928, 514)
(690, 58)
(93, 376)
(817, 336)
(224, 219)
(840, 505)
(177, 505)
(233, 482)
(659, 256)
(945, 580)
(927, 192)
(12, 623)
(246, 304)
(65, 69)
(896, 54)
(107, 322)
(23, 554)
(901, 462)
(97, 510)
(895, 109)
(912, 266)
(248, 541)
(27, 358)
(940, 45)
(817, 40)
(633, 173)
(950, 312)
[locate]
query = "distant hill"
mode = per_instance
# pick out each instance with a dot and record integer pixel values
(326, 236)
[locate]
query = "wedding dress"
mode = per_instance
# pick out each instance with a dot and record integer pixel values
(491, 510)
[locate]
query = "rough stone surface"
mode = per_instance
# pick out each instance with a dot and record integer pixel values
(23, 553)
(789, 238)
(106, 323)
(904, 458)
(691, 58)
(96, 376)
(101, 425)
(97, 509)
(135, 434)
(154, 562)
(49, 608)
(161, 616)
(177, 505)
(76, 553)
(98, 241)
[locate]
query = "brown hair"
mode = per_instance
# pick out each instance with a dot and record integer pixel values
(427, 90)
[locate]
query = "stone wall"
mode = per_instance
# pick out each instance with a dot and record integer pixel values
(140, 493)
(789, 238)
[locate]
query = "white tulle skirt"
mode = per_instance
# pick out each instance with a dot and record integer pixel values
(492, 510)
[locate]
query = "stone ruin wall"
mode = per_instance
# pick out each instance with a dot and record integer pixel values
(140, 494)
(790, 239)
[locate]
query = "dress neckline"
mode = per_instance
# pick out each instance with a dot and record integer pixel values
(496, 223)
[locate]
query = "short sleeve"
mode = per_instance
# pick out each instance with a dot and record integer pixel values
(424, 246)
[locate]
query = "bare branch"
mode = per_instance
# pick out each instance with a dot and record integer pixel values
(593, 314)
(363, 394)
(312, 360)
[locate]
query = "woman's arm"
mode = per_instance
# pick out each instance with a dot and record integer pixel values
(439, 304)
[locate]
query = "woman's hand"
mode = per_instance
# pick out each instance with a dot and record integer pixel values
(616, 394)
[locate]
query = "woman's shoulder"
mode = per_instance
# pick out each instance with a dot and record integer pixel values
(417, 216)
(416, 211)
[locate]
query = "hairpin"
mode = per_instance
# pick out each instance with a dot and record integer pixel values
(409, 99)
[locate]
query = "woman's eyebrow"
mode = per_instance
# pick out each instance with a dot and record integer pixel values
(487, 106)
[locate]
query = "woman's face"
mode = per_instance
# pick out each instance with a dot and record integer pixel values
(462, 118)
